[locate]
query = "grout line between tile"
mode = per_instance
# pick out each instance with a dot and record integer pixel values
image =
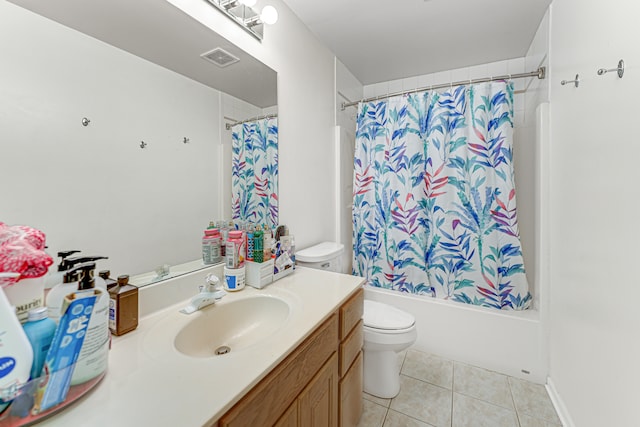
(513, 400)
(384, 419)
(453, 385)
(486, 401)
(409, 416)
(426, 382)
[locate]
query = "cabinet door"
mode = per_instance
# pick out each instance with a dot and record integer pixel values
(318, 402)
(290, 417)
(265, 404)
(351, 394)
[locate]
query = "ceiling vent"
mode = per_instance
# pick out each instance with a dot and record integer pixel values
(220, 57)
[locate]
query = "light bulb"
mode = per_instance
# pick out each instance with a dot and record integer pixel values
(249, 3)
(269, 15)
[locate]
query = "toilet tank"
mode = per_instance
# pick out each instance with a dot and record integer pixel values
(323, 256)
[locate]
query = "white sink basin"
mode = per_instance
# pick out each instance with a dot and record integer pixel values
(226, 328)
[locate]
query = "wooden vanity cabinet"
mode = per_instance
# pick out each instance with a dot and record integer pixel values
(350, 353)
(318, 385)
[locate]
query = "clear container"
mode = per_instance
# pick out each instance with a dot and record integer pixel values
(211, 246)
(234, 279)
(224, 230)
(23, 399)
(236, 249)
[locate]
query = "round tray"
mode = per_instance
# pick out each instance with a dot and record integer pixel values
(29, 391)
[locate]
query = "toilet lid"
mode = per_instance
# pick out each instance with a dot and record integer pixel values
(383, 316)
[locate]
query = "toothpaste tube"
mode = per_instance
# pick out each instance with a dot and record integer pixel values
(65, 348)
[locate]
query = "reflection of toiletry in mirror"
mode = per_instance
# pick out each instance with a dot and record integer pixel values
(211, 243)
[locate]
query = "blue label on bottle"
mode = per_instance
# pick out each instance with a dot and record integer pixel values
(7, 364)
(231, 282)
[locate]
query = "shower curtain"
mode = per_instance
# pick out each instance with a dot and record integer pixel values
(254, 181)
(434, 209)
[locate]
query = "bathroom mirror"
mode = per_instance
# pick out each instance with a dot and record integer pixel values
(113, 127)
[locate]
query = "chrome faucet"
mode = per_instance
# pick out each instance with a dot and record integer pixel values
(209, 294)
(162, 271)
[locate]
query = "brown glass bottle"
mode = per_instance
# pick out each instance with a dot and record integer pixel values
(123, 307)
(104, 274)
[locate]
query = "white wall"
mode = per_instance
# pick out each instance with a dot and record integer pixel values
(93, 188)
(595, 320)
(305, 115)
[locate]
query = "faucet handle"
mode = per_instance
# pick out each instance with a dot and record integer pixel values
(212, 282)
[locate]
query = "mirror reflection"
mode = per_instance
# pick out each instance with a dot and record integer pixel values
(152, 166)
(254, 185)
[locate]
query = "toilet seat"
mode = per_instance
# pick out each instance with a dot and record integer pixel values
(384, 318)
(389, 331)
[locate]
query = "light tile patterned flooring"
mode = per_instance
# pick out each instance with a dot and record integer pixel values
(436, 392)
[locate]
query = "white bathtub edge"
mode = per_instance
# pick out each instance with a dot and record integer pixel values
(510, 343)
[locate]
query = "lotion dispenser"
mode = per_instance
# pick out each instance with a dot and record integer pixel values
(68, 285)
(93, 358)
(55, 277)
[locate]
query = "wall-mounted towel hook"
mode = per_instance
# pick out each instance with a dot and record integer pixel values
(575, 81)
(85, 121)
(185, 140)
(143, 144)
(620, 69)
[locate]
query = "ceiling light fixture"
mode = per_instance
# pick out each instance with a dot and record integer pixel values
(268, 16)
(243, 13)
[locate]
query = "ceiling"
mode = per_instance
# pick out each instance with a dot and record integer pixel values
(159, 32)
(382, 40)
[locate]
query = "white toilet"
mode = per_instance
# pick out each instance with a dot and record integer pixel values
(387, 329)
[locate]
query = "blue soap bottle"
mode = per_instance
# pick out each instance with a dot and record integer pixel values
(39, 330)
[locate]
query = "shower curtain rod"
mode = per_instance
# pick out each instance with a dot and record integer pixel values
(539, 73)
(230, 125)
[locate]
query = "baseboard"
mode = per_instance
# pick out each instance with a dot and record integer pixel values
(558, 403)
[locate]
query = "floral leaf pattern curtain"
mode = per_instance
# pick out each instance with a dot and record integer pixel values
(434, 208)
(254, 181)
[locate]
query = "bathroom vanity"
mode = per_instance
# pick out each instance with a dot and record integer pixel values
(318, 384)
(295, 358)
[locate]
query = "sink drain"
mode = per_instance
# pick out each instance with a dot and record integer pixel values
(222, 350)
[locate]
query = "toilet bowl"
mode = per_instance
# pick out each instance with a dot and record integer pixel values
(387, 331)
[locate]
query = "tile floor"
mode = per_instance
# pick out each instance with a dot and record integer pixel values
(437, 392)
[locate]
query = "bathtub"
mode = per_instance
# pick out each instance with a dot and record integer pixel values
(507, 342)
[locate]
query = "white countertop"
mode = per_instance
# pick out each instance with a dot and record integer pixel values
(150, 383)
